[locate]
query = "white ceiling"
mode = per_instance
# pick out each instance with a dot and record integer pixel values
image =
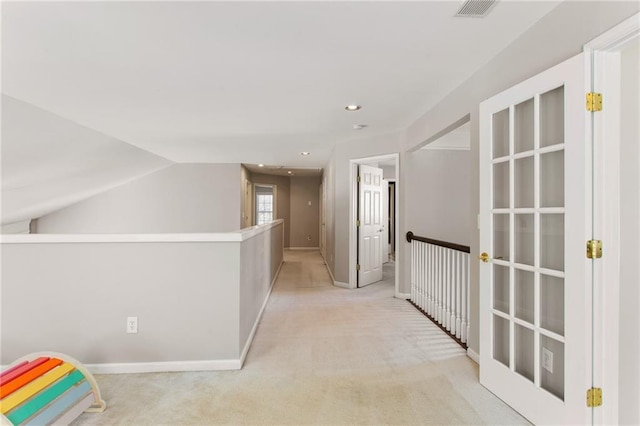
(252, 82)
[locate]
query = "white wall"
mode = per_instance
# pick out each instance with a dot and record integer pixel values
(629, 315)
(197, 297)
(49, 162)
(440, 187)
(181, 198)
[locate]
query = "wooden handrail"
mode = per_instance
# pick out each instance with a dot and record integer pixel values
(453, 246)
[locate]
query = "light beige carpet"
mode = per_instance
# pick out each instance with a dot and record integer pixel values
(321, 355)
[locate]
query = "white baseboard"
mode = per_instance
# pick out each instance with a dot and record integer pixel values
(164, 367)
(405, 296)
(341, 284)
(333, 280)
(473, 355)
(247, 345)
(302, 248)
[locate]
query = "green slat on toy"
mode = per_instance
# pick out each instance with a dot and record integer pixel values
(42, 396)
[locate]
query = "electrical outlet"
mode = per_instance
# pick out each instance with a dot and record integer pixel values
(132, 324)
(547, 360)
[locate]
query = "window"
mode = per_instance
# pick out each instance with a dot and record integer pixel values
(264, 204)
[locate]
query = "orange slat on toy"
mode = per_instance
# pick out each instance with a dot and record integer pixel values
(28, 377)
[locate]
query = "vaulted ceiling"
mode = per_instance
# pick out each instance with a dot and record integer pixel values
(252, 82)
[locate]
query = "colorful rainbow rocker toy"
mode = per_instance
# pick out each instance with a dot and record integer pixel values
(47, 388)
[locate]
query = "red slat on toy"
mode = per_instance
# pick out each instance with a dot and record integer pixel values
(12, 373)
(15, 367)
(29, 376)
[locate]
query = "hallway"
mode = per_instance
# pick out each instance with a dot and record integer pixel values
(321, 355)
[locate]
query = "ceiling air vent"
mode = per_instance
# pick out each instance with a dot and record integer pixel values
(475, 8)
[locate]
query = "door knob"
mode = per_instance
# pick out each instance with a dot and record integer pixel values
(484, 257)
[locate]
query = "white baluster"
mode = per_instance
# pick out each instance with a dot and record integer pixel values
(420, 274)
(468, 297)
(432, 272)
(446, 264)
(458, 289)
(423, 275)
(413, 272)
(440, 284)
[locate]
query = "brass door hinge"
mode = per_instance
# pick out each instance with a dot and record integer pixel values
(358, 179)
(594, 397)
(358, 222)
(357, 267)
(594, 249)
(594, 101)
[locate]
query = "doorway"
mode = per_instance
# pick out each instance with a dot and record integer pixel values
(615, 58)
(391, 171)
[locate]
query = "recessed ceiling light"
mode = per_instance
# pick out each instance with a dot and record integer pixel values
(290, 172)
(352, 107)
(359, 126)
(260, 165)
(305, 153)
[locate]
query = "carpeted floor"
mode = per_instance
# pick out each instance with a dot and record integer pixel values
(321, 355)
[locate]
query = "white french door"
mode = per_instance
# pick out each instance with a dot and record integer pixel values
(370, 231)
(535, 217)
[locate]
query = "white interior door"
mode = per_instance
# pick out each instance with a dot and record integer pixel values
(535, 217)
(370, 231)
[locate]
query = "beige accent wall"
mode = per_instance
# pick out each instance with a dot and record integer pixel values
(283, 204)
(440, 185)
(305, 212)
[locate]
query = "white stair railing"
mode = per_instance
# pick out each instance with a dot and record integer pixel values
(440, 283)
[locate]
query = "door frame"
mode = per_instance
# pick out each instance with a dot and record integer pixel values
(353, 217)
(602, 53)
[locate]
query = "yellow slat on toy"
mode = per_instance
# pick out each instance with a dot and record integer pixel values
(34, 387)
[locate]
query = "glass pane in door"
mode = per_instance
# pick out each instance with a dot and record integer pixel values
(524, 238)
(501, 288)
(501, 340)
(552, 179)
(501, 134)
(524, 297)
(552, 241)
(524, 190)
(552, 366)
(552, 304)
(525, 353)
(552, 117)
(501, 185)
(524, 126)
(501, 236)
